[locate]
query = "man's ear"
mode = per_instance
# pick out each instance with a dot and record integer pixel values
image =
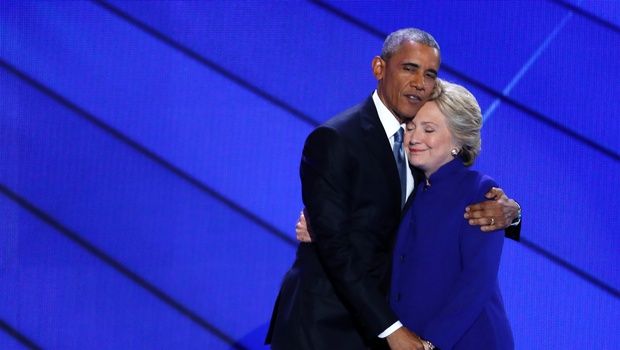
(378, 67)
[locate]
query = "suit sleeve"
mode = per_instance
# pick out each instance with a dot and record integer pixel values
(480, 258)
(514, 232)
(326, 170)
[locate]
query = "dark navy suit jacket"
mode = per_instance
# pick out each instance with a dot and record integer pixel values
(335, 295)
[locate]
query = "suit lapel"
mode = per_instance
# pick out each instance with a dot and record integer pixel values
(379, 145)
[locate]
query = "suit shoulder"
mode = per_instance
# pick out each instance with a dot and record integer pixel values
(349, 127)
(351, 118)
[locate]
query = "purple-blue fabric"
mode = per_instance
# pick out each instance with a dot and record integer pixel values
(444, 283)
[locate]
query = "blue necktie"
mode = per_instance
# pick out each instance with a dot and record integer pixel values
(401, 163)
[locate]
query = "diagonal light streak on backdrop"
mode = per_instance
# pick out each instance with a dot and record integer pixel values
(588, 15)
(148, 153)
(504, 97)
(25, 341)
(88, 246)
(119, 267)
(208, 63)
(611, 290)
(506, 92)
(480, 86)
(527, 66)
(308, 119)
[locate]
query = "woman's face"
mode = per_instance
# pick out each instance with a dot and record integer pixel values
(428, 140)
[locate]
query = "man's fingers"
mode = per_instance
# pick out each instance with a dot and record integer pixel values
(486, 220)
(486, 224)
(487, 228)
(479, 213)
(486, 205)
(473, 207)
(479, 221)
(490, 194)
(302, 229)
(495, 193)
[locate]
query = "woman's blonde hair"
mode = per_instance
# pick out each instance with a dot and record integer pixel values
(463, 117)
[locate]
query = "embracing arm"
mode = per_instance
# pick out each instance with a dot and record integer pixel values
(498, 212)
(504, 212)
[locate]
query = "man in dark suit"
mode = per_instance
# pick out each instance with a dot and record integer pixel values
(336, 294)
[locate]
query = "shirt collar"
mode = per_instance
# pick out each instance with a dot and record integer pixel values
(389, 122)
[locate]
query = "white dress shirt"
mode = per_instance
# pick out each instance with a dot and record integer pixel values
(391, 125)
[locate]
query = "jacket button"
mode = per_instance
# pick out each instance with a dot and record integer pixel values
(397, 296)
(403, 258)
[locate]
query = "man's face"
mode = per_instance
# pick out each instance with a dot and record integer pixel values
(407, 79)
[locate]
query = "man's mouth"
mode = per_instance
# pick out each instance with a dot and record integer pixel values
(414, 98)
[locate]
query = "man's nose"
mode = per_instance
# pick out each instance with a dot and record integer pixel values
(417, 81)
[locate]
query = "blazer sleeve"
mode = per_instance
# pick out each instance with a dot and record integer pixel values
(326, 170)
(514, 232)
(480, 256)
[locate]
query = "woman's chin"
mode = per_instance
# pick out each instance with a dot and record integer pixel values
(417, 165)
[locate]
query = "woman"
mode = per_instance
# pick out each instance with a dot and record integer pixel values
(444, 279)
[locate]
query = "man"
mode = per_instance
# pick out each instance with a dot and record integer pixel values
(336, 294)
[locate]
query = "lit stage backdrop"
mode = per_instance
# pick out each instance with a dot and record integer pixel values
(149, 155)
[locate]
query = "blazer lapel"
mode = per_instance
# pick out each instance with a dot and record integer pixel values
(379, 145)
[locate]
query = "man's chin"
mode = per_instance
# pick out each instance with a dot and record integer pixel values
(410, 112)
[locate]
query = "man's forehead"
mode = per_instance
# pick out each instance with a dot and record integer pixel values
(416, 53)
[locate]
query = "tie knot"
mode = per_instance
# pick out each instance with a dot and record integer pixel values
(398, 136)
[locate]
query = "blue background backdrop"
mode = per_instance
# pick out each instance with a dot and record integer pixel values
(149, 157)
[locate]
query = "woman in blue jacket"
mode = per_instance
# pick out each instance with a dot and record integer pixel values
(444, 278)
